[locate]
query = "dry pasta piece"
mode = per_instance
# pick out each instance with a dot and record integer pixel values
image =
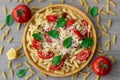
(29, 1)
(112, 13)
(16, 0)
(1, 49)
(9, 64)
(63, 1)
(114, 39)
(32, 71)
(4, 75)
(21, 1)
(87, 9)
(107, 8)
(99, 26)
(19, 48)
(106, 42)
(104, 28)
(109, 23)
(106, 34)
(29, 76)
(97, 77)
(88, 67)
(112, 3)
(18, 65)
(21, 55)
(96, 1)
(99, 46)
(35, 8)
(18, 26)
(108, 46)
(99, 50)
(101, 54)
(81, 2)
(2, 26)
(82, 73)
(7, 31)
(5, 10)
(74, 76)
(112, 59)
(9, 0)
(27, 64)
(87, 75)
(43, 75)
(99, 36)
(11, 73)
(99, 11)
(38, 78)
(41, 0)
(10, 39)
(85, 3)
(104, 13)
(98, 19)
(3, 37)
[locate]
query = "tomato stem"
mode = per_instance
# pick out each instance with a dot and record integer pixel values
(20, 12)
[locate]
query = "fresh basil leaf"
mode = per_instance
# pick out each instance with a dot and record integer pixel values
(38, 36)
(56, 60)
(21, 73)
(9, 20)
(53, 33)
(88, 42)
(67, 42)
(94, 11)
(61, 22)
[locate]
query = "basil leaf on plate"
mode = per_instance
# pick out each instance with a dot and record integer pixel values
(21, 73)
(38, 36)
(57, 59)
(53, 33)
(88, 42)
(61, 22)
(67, 42)
(9, 20)
(94, 11)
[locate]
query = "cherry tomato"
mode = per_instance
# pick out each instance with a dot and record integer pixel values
(77, 32)
(48, 39)
(70, 22)
(52, 18)
(36, 44)
(46, 55)
(101, 66)
(83, 55)
(57, 67)
(21, 13)
(85, 23)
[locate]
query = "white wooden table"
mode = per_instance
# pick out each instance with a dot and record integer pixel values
(115, 29)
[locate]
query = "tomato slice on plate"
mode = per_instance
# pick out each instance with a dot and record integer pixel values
(70, 22)
(46, 55)
(85, 24)
(36, 44)
(57, 67)
(77, 32)
(48, 39)
(83, 55)
(52, 18)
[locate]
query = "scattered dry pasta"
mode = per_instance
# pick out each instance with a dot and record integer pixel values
(38, 78)
(35, 8)
(2, 26)
(21, 55)
(114, 39)
(18, 65)
(112, 13)
(29, 76)
(101, 54)
(106, 34)
(32, 71)
(107, 8)
(108, 46)
(97, 77)
(104, 13)
(19, 48)
(9, 64)
(99, 11)
(85, 3)
(88, 67)
(10, 39)
(106, 42)
(7, 31)
(112, 59)
(87, 75)
(98, 19)
(82, 73)
(1, 49)
(9, 0)
(3, 37)
(18, 26)
(63, 1)
(74, 76)
(11, 73)
(112, 3)
(81, 2)
(27, 64)
(41, 0)
(87, 9)
(5, 10)
(104, 28)
(43, 75)
(4, 75)
(109, 23)
(96, 1)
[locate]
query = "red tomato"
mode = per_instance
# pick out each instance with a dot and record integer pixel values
(85, 23)
(46, 55)
(77, 32)
(52, 18)
(48, 39)
(57, 67)
(21, 13)
(83, 55)
(70, 22)
(36, 44)
(101, 66)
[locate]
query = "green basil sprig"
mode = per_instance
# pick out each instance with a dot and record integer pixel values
(21, 73)
(57, 59)
(53, 33)
(9, 20)
(61, 22)
(38, 36)
(94, 11)
(88, 42)
(67, 42)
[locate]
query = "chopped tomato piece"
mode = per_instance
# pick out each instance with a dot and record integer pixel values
(70, 22)
(52, 18)
(77, 32)
(46, 55)
(57, 67)
(64, 14)
(85, 24)
(36, 44)
(48, 39)
(83, 55)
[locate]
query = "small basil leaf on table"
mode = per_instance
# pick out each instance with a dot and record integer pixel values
(56, 60)
(38, 36)
(9, 20)
(21, 73)
(88, 42)
(67, 42)
(61, 22)
(53, 33)
(94, 11)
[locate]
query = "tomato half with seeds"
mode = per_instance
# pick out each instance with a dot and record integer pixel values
(101, 66)
(21, 13)
(52, 18)
(70, 22)
(36, 44)
(83, 55)
(46, 55)
(57, 67)
(77, 32)
(85, 24)
(48, 38)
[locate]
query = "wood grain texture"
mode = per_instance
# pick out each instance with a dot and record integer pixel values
(115, 29)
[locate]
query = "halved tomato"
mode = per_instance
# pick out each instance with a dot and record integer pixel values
(70, 22)
(46, 55)
(85, 24)
(83, 55)
(77, 32)
(36, 44)
(48, 39)
(57, 67)
(52, 18)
